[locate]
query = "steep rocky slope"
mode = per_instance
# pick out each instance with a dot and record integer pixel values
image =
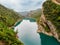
(49, 22)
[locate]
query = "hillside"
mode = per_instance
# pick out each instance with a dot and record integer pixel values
(8, 18)
(49, 22)
(8, 15)
(53, 14)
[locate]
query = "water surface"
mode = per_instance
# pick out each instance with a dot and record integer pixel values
(48, 40)
(27, 33)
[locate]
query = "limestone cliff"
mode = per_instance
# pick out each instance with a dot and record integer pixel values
(49, 20)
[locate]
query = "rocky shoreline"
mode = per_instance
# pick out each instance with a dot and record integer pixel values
(41, 29)
(43, 22)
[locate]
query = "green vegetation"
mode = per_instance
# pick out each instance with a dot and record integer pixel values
(52, 13)
(9, 17)
(8, 35)
(7, 20)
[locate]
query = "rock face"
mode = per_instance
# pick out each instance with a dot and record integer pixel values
(43, 23)
(46, 26)
(2, 43)
(56, 1)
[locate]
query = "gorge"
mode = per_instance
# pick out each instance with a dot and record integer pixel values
(38, 27)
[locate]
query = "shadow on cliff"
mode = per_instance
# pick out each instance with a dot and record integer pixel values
(48, 40)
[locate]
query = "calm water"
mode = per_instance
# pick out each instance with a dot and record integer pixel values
(48, 40)
(27, 33)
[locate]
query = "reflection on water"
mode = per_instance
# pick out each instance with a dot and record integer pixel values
(27, 33)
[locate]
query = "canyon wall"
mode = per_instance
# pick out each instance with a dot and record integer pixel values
(49, 22)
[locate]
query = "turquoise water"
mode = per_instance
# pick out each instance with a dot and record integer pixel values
(48, 40)
(31, 19)
(27, 33)
(17, 23)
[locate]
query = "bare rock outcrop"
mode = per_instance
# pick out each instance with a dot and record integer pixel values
(2, 43)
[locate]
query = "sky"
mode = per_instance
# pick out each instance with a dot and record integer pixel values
(22, 5)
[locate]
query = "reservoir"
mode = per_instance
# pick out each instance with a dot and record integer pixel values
(27, 33)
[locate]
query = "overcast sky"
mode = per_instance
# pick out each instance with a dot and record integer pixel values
(22, 5)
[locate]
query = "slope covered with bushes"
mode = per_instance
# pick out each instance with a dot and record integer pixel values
(7, 20)
(8, 16)
(52, 13)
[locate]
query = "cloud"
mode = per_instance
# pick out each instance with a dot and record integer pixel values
(22, 5)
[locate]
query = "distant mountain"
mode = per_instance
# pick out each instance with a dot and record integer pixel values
(31, 14)
(34, 13)
(24, 13)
